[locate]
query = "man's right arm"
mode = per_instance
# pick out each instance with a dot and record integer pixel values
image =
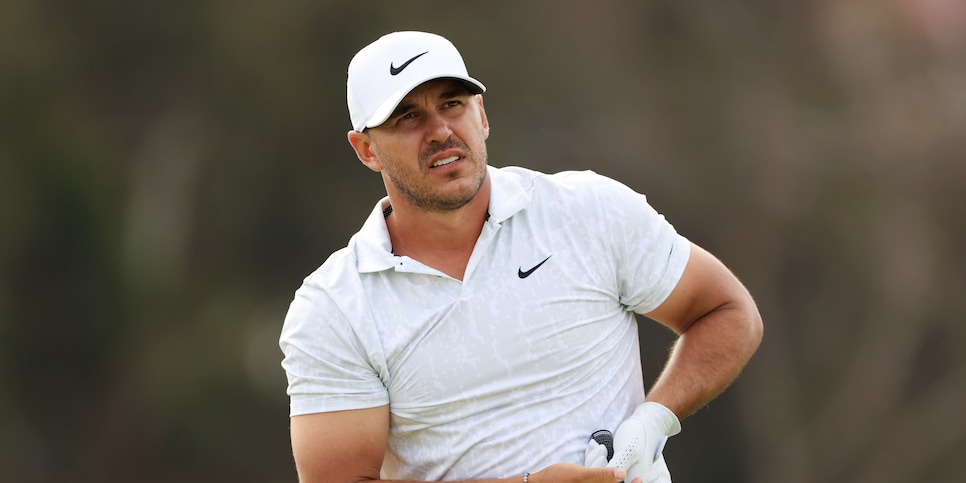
(348, 447)
(340, 446)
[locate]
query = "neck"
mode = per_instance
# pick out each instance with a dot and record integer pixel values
(442, 240)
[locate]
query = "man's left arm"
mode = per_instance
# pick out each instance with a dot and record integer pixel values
(719, 329)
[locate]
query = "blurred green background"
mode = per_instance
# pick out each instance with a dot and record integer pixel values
(170, 171)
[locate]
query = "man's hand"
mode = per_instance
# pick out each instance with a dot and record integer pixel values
(640, 439)
(569, 473)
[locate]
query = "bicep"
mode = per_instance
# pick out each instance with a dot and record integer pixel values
(340, 446)
(705, 286)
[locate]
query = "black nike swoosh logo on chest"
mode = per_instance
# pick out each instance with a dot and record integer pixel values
(393, 70)
(522, 274)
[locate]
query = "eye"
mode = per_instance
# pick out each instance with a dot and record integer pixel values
(405, 117)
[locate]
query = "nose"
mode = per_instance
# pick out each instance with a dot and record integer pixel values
(437, 128)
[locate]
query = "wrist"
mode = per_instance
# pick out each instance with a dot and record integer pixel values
(666, 419)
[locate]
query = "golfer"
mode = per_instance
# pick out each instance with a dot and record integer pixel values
(480, 326)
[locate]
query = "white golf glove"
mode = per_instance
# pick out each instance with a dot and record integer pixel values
(595, 455)
(640, 439)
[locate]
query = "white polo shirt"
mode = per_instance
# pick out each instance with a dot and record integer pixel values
(510, 369)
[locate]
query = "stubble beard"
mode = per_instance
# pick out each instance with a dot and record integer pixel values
(431, 200)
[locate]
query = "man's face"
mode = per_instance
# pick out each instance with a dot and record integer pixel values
(432, 149)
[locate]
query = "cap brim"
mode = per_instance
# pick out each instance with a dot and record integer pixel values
(382, 113)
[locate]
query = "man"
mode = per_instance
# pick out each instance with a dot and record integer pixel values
(480, 325)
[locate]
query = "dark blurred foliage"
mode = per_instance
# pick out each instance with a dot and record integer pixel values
(169, 171)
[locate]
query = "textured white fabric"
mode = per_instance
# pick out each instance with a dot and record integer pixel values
(496, 374)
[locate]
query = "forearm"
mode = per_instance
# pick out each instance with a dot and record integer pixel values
(324, 455)
(707, 357)
(516, 479)
(557, 473)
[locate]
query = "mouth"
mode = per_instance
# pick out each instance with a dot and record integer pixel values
(445, 161)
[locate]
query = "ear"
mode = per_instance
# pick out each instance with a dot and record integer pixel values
(362, 145)
(486, 123)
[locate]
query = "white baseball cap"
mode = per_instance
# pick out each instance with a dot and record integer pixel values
(385, 71)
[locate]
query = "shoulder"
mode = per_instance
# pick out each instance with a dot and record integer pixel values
(580, 185)
(323, 292)
(329, 320)
(332, 274)
(529, 178)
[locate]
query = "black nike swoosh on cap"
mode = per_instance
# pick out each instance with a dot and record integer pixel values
(393, 70)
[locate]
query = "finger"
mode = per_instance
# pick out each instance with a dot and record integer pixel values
(595, 455)
(612, 474)
(606, 439)
(592, 447)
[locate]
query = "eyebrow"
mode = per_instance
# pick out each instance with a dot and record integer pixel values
(402, 109)
(456, 91)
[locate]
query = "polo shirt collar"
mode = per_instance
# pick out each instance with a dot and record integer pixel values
(373, 247)
(507, 194)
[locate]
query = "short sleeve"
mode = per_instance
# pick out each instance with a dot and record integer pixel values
(649, 254)
(327, 358)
